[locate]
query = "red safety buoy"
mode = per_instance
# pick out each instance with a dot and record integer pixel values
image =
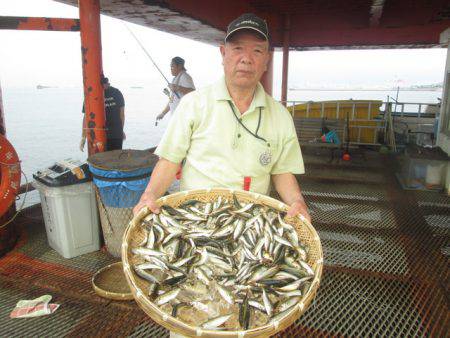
(10, 175)
(346, 157)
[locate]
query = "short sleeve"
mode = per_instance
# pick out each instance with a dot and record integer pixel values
(176, 140)
(290, 159)
(186, 81)
(120, 99)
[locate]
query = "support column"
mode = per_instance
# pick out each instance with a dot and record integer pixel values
(267, 78)
(2, 115)
(91, 52)
(443, 137)
(286, 42)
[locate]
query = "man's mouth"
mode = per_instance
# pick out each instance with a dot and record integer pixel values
(244, 72)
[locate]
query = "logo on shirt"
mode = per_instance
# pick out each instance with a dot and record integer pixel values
(110, 102)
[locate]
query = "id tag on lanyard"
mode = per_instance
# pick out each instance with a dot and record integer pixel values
(247, 182)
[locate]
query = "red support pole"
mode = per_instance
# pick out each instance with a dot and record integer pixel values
(91, 50)
(286, 40)
(267, 78)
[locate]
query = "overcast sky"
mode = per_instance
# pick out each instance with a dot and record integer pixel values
(28, 58)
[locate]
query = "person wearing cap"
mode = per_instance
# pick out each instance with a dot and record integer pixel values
(232, 134)
(115, 117)
(182, 84)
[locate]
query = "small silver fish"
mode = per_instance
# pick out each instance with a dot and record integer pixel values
(167, 297)
(216, 322)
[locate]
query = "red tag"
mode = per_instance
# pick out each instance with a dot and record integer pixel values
(178, 174)
(247, 181)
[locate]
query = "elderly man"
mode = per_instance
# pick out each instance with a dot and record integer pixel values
(232, 134)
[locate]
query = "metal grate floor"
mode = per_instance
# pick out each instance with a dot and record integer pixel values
(387, 255)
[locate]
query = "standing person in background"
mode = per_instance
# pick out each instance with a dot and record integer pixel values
(181, 85)
(115, 117)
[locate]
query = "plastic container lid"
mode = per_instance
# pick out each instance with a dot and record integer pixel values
(123, 160)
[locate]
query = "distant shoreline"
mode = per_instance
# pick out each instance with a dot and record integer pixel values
(366, 90)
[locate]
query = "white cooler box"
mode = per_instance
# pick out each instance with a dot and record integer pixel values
(69, 209)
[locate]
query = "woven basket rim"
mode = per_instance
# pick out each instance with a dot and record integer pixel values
(178, 326)
(108, 294)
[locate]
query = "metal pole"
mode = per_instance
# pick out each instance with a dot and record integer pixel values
(91, 52)
(286, 41)
(2, 115)
(44, 24)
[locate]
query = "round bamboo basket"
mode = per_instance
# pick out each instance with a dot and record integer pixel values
(109, 282)
(134, 235)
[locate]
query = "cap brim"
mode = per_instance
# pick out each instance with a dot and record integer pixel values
(246, 27)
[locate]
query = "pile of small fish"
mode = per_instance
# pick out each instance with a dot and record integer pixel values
(229, 264)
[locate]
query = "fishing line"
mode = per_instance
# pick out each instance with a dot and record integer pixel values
(149, 56)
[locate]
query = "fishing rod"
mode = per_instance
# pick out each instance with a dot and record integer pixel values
(151, 59)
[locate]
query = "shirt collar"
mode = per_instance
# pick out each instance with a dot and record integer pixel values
(221, 94)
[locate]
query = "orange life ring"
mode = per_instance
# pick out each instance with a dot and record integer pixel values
(10, 175)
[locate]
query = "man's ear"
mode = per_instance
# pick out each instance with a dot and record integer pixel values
(269, 59)
(222, 51)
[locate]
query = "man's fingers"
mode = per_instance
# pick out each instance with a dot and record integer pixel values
(299, 208)
(148, 203)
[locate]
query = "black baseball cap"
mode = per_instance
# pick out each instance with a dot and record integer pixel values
(104, 79)
(178, 61)
(248, 21)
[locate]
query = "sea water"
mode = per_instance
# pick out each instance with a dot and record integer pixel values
(44, 125)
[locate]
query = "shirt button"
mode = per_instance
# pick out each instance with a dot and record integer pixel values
(239, 135)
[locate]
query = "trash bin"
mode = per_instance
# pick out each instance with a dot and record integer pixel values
(120, 178)
(69, 207)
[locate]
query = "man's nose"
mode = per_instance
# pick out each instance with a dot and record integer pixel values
(247, 57)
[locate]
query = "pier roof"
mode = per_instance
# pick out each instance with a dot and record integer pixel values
(314, 24)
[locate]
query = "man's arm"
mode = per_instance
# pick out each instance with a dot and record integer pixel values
(287, 186)
(122, 119)
(181, 89)
(83, 133)
(162, 177)
(163, 113)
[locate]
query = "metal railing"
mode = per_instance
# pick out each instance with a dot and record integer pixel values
(416, 115)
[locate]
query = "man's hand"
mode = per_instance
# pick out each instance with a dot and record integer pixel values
(174, 87)
(299, 207)
(160, 116)
(82, 143)
(146, 200)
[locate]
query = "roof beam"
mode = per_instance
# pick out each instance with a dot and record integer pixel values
(404, 37)
(376, 10)
(41, 24)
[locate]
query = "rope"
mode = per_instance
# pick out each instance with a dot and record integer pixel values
(23, 201)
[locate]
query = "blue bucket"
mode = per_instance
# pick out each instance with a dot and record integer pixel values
(121, 189)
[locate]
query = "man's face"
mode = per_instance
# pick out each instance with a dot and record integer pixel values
(175, 69)
(244, 57)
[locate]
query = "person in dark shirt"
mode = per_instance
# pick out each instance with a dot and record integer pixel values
(115, 117)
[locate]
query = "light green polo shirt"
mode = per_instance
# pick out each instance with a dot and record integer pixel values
(219, 152)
